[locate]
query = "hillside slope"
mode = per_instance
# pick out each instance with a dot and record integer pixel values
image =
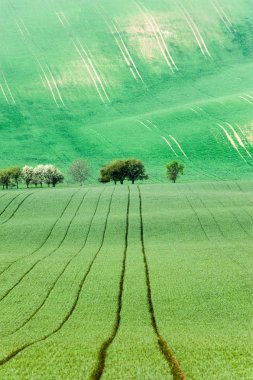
(110, 79)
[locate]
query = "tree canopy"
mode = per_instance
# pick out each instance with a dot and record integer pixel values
(121, 170)
(174, 169)
(79, 171)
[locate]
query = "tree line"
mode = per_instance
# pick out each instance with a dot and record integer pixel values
(115, 171)
(38, 175)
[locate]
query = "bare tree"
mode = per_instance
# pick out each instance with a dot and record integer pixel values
(79, 171)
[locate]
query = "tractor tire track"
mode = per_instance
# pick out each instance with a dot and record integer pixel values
(213, 217)
(46, 239)
(17, 208)
(8, 204)
(98, 371)
(44, 257)
(238, 221)
(169, 355)
(14, 353)
(198, 218)
(61, 273)
(3, 195)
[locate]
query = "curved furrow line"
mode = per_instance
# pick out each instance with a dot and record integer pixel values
(44, 257)
(213, 217)
(198, 218)
(238, 221)
(3, 195)
(8, 204)
(16, 209)
(99, 369)
(243, 209)
(45, 240)
(61, 273)
(169, 355)
(241, 225)
(14, 353)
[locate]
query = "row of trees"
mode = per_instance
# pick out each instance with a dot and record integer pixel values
(115, 171)
(121, 170)
(37, 175)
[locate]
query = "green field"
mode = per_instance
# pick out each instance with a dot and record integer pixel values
(124, 269)
(111, 79)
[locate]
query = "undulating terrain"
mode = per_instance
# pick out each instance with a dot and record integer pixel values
(126, 269)
(108, 79)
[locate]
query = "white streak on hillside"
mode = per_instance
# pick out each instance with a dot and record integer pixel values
(194, 26)
(25, 27)
(158, 30)
(64, 16)
(193, 110)
(8, 88)
(60, 20)
(147, 17)
(4, 94)
(246, 100)
(55, 85)
(92, 66)
(104, 83)
(225, 15)
(230, 139)
(146, 126)
(221, 16)
(19, 28)
(170, 146)
(179, 146)
(124, 55)
(127, 52)
(115, 32)
(239, 139)
(194, 33)
(86, 58)
(47, 81)
(153, 125)
(89, 71)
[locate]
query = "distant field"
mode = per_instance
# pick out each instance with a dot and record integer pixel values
(92, 280)
(106, 79)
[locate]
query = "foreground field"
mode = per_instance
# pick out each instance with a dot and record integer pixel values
(126, 283)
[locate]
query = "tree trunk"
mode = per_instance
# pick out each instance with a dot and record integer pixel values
(132, 181)
(121, 181)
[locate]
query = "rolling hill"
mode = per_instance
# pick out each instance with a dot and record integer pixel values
(110, 79)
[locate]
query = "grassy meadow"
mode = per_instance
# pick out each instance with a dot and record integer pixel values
(120, 267)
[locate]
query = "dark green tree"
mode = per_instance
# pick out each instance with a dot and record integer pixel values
(135, 170)
(115, 171)
(5, 178)
(174, 169)
(15, 174)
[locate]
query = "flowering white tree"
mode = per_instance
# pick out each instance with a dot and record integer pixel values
(39, 175)
(52, 175)
(27, 174)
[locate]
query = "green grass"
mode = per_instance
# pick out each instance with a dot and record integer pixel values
(62, 254)
(39, 56)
